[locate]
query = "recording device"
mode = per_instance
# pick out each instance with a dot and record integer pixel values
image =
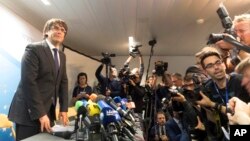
(106, 58)
(173, 91)
(118, 100)
(160, 67)
(227, 24)
(126, 114)
(81, 131)
(112, 121)
(134, 50)
(125, 74)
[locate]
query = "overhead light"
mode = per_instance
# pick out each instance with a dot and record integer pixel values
(46, 2)
(200, 21)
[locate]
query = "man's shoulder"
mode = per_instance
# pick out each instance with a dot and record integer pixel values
(37, 44)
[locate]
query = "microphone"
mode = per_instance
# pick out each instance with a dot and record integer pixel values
(121, 103)
(123, 113)
(108, 114)
(93, 108)
(93, 97)
(82, 113)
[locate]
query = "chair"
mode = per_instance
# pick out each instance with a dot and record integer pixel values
(5, 123)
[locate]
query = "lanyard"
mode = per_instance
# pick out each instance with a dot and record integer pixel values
(221, 95)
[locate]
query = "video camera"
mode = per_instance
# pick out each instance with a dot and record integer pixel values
(125, 75)
(134, 50)
(160, 67)
(227, 24)
(106, 58)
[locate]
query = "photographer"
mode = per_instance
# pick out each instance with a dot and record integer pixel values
(136, 91)
(110, 86)
(184, 117)
(132, 55)
(222, 87)
(242, 30)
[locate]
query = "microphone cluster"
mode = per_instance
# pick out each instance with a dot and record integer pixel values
(116, 122)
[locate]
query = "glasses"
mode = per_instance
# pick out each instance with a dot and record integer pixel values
(57, 28)
(211, 65)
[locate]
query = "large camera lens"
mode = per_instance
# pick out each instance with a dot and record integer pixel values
(213, 38)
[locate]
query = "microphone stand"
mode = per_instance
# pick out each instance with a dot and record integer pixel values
(151, 43)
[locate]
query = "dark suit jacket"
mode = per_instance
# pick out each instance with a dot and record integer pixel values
(38, 85)
(174, 132)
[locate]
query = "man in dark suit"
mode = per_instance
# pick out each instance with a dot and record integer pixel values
(43, 79)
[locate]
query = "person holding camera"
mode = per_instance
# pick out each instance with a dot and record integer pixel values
(221, 88)
(184, 117)
(110, 86)
(82, 90)
(242, 30)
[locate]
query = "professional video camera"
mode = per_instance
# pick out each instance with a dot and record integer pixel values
(227, 24)
(134, 50)
(106, 58)
(160, 67)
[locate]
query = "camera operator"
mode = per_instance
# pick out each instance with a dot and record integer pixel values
(136, 91)
(132, 55)
(241, 24)
(222, 87)
(184, 117)
(110, 86)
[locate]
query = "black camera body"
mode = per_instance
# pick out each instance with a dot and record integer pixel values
(125, 75)
(106, 58)
(227, 24)
(160, 67)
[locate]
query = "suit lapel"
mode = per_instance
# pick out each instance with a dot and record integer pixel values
(49, 57)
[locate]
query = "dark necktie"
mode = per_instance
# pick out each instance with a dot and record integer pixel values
(56, 59)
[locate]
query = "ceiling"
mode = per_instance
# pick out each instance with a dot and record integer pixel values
(97, 26)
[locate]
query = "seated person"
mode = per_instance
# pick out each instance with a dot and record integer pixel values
(159, 131)
(82, 90)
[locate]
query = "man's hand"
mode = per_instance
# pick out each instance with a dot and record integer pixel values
(205, 101)
(241, 111)
(164, 138)
(63, 118)
(45, 123)
(179, 98)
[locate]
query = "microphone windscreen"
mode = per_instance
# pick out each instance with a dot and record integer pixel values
(117, 99)
(93, 97)
(93, 109)
(82, 111)
(78, 104)
(85, 103)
